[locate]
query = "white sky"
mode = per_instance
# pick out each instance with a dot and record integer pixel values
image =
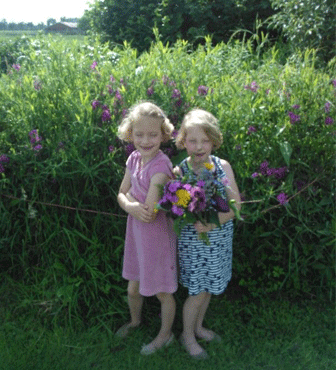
(37, 11)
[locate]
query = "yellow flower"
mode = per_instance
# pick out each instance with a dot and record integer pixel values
(156, 208)
(183, 198)
(208, 166)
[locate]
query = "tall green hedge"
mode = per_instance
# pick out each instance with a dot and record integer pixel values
(60, 105)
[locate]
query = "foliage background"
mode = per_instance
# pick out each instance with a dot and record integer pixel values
(75, 94)
(303, 24)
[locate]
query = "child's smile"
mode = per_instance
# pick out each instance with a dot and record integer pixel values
(198, 146)
(147, 137)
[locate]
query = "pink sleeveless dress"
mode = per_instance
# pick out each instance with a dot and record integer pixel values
(150, 248)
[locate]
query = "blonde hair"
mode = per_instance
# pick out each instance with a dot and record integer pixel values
(204, 120)
(144, 109)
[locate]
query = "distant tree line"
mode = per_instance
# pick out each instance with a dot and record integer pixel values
(22, 26)
(308, 23)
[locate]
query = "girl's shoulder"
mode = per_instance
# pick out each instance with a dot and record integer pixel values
(223, 162)
(133, 158)
(161, 163)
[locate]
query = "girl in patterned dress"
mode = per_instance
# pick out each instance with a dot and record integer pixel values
(150, 242)
(204, 269)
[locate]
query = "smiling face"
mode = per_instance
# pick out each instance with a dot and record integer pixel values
(198, 146)
(147, 137)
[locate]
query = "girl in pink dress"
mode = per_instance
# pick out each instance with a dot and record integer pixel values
(150, 242)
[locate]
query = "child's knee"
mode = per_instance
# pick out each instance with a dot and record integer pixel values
(163, 297)
(133, 290)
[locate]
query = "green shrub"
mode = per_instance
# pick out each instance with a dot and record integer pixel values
(58, 119)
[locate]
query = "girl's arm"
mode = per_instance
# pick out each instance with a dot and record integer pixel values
(134, 208)
(153, 195)
(232, 192)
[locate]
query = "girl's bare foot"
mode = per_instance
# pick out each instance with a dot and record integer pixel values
(158, 343)
(126, 329)
(193, 348)
(207, 335)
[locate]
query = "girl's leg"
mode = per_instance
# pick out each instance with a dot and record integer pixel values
(168, 308)
(191, 311)
(135, 302)
(200, 331)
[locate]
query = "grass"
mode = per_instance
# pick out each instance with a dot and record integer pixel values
(272, 334)
(8, 35)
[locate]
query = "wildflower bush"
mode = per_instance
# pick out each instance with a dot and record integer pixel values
(61, 163)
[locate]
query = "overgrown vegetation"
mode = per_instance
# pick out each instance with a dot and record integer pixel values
(307, 24)
(60, 105)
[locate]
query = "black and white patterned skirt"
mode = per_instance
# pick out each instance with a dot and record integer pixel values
(206, 268)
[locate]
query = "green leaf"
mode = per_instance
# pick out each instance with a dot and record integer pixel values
(236, 211)
(286, 151)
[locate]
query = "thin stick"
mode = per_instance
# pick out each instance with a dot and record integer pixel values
(65, 207)
(293, 196)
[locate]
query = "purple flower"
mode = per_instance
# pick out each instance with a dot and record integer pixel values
(173, 186)
(110, 89)
(34, 137)
(150, 91)
(282, 198)
(202, 90)
(334, 83)
(221, 204)
(2, 168)
(293, 117)
(251, 129)
(129, 149)
(329, 121)
(187, 187)
(178, 211)
(200, 183)
(198, 200)
(111, 148)
(296, 106)
(253, 86)
(95, 104)
(238, 147)
(124, 112)
(38, 147)
(37, 85)
(264, 167)
(270, 171)
(4, 158)
(280, 172)
(94, 65)
(16, 67)
(118, 96)
(255, 174)
(112, 79)
(327, 106)
(106, 115)
(176, 94)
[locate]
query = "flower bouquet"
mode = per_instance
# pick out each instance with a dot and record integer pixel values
(188, 199)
